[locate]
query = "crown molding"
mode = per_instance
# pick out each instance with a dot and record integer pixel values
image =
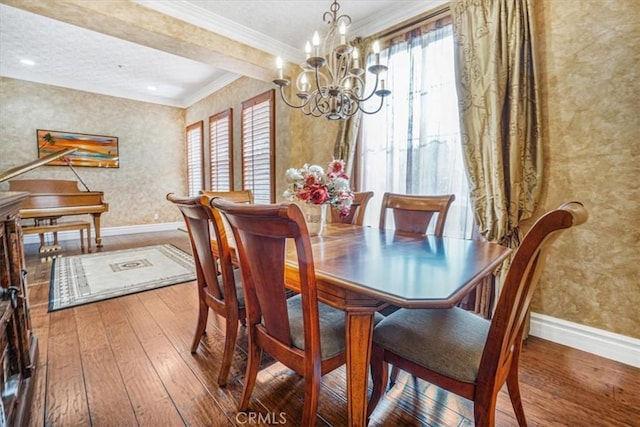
(204, 18)
(375, 23)
(212, 87)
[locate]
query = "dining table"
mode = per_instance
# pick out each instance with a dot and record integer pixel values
(362, 270)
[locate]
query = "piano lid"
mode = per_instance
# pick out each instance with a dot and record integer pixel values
(19, 170)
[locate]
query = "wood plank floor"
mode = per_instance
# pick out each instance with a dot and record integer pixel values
(126, 362)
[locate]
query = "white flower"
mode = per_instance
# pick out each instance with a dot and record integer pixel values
(293, 174)
(289, 195)
(317, 170)
(341, 184)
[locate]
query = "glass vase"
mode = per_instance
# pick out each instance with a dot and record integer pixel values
(315, 217)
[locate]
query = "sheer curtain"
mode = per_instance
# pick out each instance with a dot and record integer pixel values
(413, 145)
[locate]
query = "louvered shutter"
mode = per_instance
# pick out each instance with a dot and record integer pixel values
(220, 140)
(258, 147)
(195, 160)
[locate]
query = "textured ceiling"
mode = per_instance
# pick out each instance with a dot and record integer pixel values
(69, 56)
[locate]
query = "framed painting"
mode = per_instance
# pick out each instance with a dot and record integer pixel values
(96, 151)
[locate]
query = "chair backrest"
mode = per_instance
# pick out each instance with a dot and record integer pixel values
(201, 220)
(261, 233)
(237, 196)
(358, 209)
(527, 263)
(413, 213)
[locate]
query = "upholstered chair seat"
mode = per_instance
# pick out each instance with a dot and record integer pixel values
(417, 336)
(332, 331)
(237, 277)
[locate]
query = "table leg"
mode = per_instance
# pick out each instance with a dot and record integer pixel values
(359, 330)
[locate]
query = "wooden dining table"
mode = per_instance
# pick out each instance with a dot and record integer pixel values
(361, 270)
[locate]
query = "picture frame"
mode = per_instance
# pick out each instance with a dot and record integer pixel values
(99, 151)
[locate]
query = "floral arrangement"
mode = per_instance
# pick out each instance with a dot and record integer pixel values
(311, 184)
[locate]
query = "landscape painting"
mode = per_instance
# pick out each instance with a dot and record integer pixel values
(91, 150)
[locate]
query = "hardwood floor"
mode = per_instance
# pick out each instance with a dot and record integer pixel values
(126, 362)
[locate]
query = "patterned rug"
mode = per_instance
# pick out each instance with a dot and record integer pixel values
(83, 279)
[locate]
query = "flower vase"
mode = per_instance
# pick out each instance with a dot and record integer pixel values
(314, 216)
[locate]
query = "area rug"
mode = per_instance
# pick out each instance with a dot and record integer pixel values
(83, 279)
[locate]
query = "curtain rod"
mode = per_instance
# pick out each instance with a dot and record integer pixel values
(417, 20)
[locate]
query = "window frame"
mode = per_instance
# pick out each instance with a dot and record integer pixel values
(228, 115)
(249, 104)
(199, 125)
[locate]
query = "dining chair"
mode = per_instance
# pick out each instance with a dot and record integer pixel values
(465, 353)
(413, 213)
(219, 284)
(238, 196)
(300, 332)
(358, 209)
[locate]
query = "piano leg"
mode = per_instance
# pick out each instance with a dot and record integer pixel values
(96, 226)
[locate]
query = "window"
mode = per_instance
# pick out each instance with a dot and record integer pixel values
(195, 161)
(221, 152)
(258, 152)
(413, 144)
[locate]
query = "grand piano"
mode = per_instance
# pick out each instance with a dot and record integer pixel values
(51, 199)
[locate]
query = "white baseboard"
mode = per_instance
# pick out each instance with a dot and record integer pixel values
(613, 346)
(111, 231)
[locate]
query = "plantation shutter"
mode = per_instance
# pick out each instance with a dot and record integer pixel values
(195, 160)
(220, 137)
(258, 147)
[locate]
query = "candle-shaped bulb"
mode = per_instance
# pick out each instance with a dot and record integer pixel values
(376, 51)
(315, 40)
(343, 32)
(279, 66)
(304, 83)
(356, 58)
(307, 49)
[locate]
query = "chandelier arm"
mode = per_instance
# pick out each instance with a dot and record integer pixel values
(315, 108)
(373, 112)
(291, 105)
(342, 68)
(359, 82)
(320, 89)
(373, 92)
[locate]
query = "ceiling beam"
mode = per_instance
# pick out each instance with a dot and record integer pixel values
(147, 27)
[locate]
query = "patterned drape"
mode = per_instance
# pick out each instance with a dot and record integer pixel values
(499, 112)
(345, 145)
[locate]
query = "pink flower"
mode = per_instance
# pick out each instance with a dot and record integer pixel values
(336, 169)
(319, 195)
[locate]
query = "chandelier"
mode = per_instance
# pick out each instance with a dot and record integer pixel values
(331, 83)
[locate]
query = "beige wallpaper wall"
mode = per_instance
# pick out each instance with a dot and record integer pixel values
(150, 137)
(590, 74)
(299, 139)
(232, 96)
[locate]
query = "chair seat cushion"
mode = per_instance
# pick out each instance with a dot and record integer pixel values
(332, 327)
(447, 341)
(237, 277)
